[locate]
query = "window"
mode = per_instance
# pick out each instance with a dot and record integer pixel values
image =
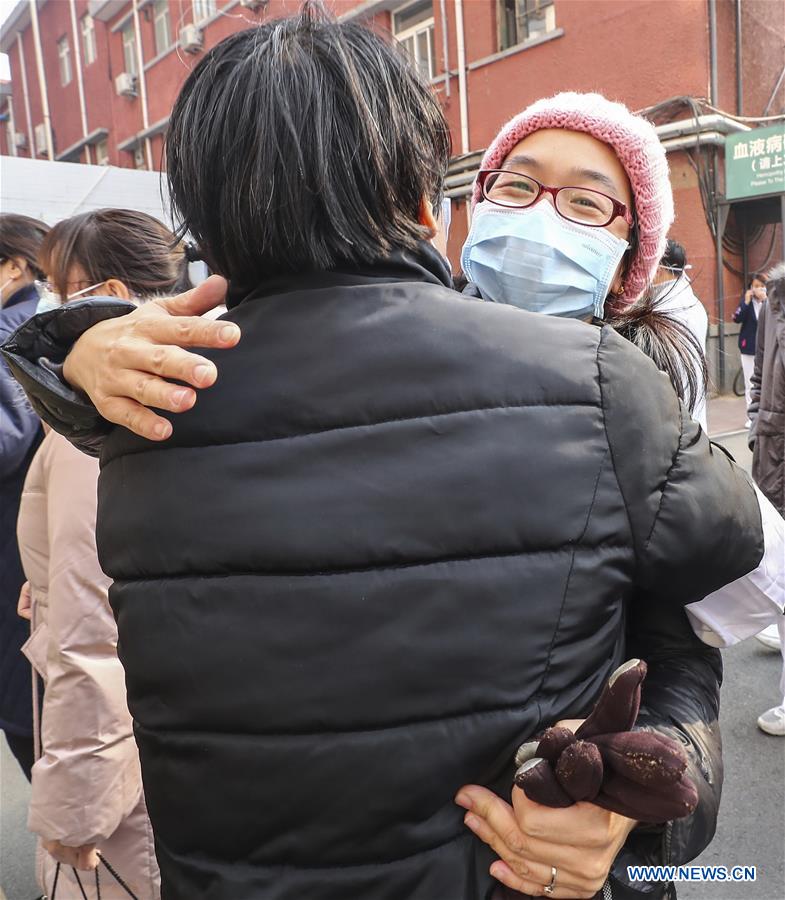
(413, 28)
(88, 40)
(64, 56)
(102, 153)
(129, 49)
(203, 9)
(139, 158)
(163, 38)
(522, 20)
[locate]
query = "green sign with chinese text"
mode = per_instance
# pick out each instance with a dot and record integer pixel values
(755, 162)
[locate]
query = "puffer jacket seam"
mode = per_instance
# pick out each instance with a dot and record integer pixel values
(580, 537)
(437, 848)
(380, 567)
(603, 332)
(391, 726)
(357, 425)
(668, 474)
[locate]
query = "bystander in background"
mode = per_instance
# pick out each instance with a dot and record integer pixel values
(746, 314)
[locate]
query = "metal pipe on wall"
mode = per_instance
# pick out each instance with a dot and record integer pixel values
(739, 67)
(719, 219)
(79, 81)
(462, 90)
(26, 96)
(445, 46)
(142, 84)
(39, 62)
(713, 98)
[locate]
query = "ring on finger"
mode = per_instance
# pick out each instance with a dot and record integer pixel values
(550, 888)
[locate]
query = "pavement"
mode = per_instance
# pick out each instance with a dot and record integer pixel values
(17, 845)
(751, 825)
(726, 415)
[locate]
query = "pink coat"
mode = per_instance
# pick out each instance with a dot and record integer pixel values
(86, 785)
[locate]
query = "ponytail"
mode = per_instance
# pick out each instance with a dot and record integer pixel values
(187, 253)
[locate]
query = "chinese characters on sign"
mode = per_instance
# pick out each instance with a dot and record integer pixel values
(755, 162)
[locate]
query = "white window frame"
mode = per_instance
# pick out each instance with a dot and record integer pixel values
(161, 14)
(102, 153)
(128, 37)
(89, 49)
(412, 33)
(204, 9)
(523, 16)
(64, 60)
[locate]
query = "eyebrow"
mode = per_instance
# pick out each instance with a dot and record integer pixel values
(599, 177)
(522, 159)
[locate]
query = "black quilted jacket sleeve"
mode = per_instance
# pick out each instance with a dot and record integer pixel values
(680, 699)
(35, 351)
(696, 527)
(693, 513)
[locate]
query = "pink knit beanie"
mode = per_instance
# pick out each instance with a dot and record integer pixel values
(639, 150)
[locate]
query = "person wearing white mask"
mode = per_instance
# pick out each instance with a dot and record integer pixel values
(20, 434)
(673, 295)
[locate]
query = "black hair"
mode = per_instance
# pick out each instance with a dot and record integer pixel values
(674, 257)
(775, 287)
(125, 244)
(303, 144)
(757, 276)
(669, 343)
(21, 238)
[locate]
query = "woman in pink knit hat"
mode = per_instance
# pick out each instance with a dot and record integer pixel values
(597, 240)
(572, 208)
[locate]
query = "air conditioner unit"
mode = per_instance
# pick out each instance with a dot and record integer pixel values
(41, 144)
(125, 84)
(254, 5)
(191, 38)
(20, 140)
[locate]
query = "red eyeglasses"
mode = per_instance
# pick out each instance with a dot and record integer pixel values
(581, 205)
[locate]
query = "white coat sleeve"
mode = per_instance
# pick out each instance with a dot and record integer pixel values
(751, 603)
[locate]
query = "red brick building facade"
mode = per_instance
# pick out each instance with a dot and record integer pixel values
(103, 84)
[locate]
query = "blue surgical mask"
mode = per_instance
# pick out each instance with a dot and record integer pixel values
(537, 260)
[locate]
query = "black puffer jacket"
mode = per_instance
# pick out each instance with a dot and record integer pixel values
(401, 534)
(20, 435)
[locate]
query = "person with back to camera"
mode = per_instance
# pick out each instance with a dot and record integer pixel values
(398, 535)
(746, 314)
(20, 434)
